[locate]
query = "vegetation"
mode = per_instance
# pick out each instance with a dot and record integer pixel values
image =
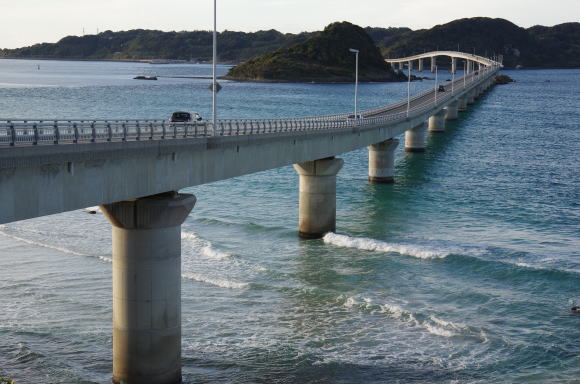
(538, 46)
(6, 381)
(140, 44)
(546, 47)
(324, 57)
(503, 79)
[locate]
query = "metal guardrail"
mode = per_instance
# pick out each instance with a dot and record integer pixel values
(33, 132)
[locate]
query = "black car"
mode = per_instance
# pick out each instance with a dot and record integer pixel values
(441, 89)
(184, 117)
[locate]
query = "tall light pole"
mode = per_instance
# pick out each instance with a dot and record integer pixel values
(409, 89)
(436, 89)
(214, 85)
(452, 81)
(355, 51)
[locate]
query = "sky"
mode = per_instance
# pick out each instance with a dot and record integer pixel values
(27, 22)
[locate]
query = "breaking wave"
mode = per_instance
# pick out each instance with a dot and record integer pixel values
(418, 251)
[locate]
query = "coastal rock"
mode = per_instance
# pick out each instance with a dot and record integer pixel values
(324, 58)
(503, 79)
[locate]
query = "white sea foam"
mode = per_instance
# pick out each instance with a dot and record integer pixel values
(438, 331)
(367, 244)
(205, 247)
(216, 282)
(432, 324)
(54, 247)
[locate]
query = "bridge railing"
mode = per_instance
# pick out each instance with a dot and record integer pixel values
(14, 132)
(34, 132)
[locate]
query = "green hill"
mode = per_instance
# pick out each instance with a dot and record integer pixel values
(141, 44)
(538, 46)
(324, 57)
(557, 46)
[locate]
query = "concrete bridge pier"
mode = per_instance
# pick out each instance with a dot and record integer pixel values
(437, 122)
(382, 161)
(410, 64)
(453, 65)
(452, 111)
(147, 287)
(471, 97)
(463, 103)
(420, 65)
(469, 67)
(317, 205)
(401, 66)
(415, 138)
(433, 63)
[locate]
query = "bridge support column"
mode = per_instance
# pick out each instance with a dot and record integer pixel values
(433, 63)
(471, 97)
(401, 66)
(420, 65)
(463, 103)
(410, 63)
(453, 65)
(415, 138)
(382, 161)
(437, 122)
(452, 111)
(317, 206)
(147, 287)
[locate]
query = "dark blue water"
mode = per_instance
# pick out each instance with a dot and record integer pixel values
(461, 272)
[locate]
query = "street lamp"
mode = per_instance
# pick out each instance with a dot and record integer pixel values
(214, 85)
(409, 89)
(436, 80)
(355, 51)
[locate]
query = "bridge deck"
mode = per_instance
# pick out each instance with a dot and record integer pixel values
(90, 167)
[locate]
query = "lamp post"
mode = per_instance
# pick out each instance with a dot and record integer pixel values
(409, 89)
(355, 51)
(436, 89)
(214, 85)
(452, 81)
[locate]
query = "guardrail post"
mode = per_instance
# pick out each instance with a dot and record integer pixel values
(12, 135)
(150, 131)
(35, 134)
(164, 130)
(93, 132)
(109, 132)
(76, 133)
(175, 131)
(185, 130)
(138, 131)
(56, 133)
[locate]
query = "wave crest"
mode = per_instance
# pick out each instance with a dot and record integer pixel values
(367, 244)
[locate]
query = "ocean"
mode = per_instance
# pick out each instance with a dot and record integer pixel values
(463, 271)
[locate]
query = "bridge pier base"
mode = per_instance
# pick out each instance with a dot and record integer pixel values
(415, 138)
(437, 121)
(471, 97)
(452, 111)
(433, 63)
(317, 205)
(382, 161)
(453, 65)
(463, 103)
(147, 287)
(420, 65)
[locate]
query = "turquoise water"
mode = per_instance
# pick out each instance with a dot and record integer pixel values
(461, 272)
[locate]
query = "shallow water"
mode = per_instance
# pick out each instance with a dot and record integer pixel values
(460, 272)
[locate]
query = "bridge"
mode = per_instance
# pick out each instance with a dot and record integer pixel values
(469, 60)
(133, 168)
